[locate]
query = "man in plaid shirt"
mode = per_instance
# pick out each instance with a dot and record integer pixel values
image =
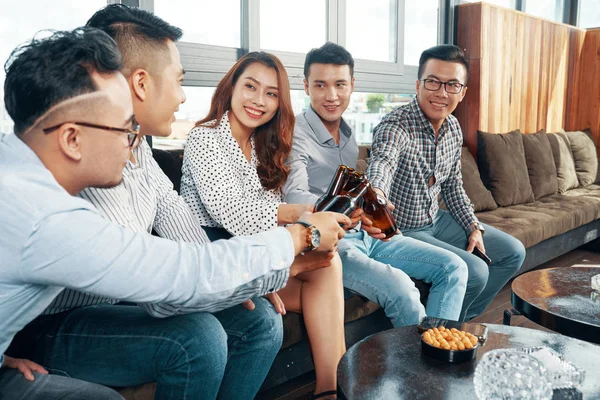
(416, 157)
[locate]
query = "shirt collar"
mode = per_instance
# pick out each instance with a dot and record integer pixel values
(323, 135)
(416, 109)
(13, 141)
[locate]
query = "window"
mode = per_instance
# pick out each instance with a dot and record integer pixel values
(19, 22)
(589, 14)
(371, 30)
(293, 26)
(207, 22)
(548, 9)
(420, 28)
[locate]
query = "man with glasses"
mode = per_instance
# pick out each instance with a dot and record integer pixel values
(74, 128)
(415, 157)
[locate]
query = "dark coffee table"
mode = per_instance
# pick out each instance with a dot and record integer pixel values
(390, 365)
(560, 299)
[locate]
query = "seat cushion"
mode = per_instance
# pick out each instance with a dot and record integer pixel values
(480, 196)
(584, 156)
(547, 217)
(503, 167)
(563, 160)
(540, 164)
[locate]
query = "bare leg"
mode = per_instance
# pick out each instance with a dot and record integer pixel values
(319, 296)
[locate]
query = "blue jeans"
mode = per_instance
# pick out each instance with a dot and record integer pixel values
(506, 252)
(195, 356)
(381, 271)
(13, 386)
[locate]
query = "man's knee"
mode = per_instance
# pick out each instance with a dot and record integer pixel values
(478, 274)
(456, 268)
(266, 323)
(198, 342)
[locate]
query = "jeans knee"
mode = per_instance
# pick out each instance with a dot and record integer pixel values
(197, 342)
(457, 269)
(267, 324)
(478, 275)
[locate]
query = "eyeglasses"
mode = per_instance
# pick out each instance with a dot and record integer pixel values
(451, 87)
(132, 134)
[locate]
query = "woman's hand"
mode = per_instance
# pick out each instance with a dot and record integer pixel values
(26, 367)
(277, 302)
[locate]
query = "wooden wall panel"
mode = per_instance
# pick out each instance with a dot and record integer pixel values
(585, 96)
(525, 66)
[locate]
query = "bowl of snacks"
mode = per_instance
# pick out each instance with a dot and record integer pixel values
(449, 345)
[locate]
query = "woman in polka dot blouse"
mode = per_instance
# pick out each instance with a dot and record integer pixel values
(233, 171)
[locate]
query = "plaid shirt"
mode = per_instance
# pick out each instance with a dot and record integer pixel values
(405, 155)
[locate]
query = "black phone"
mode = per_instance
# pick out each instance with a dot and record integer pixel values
(482, 255)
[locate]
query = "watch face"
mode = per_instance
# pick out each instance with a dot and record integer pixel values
(315, 238)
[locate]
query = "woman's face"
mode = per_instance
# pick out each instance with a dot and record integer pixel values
(255, 98)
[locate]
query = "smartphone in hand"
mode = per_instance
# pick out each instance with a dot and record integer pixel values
(482, 255)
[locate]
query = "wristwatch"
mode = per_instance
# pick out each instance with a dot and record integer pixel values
(313, 236)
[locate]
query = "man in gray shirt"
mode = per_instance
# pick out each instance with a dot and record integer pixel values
(74, 128)
(376, 269)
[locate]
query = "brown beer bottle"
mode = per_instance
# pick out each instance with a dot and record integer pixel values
(379, 213)
(335, 187)
(348, 202)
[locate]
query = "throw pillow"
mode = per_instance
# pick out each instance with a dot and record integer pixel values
(540, 164)
(480, 197)
(503, 167)
(584, 155)
(563, 160)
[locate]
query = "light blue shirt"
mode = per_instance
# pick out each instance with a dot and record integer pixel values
(315, 157)
(50, 240)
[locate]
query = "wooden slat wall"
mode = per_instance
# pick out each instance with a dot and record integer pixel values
(583, 109)
(521, 71)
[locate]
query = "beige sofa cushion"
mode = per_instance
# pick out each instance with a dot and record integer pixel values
(480, 197)
(540, 164)
(503, 167)
(584, 155)
(563, 160)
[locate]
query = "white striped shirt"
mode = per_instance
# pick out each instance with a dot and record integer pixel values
(146, 200)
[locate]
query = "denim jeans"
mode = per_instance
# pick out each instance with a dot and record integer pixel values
(14, 386)
(506, 252)
(195, 356)
(381, 271)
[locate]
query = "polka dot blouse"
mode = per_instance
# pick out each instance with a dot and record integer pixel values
(221, 187)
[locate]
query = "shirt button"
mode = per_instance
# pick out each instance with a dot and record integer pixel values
(245, 275)
(281, 263)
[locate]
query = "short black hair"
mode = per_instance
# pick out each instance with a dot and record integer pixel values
(329, 53)
(45, 72)
(137, 32)
(444, 52)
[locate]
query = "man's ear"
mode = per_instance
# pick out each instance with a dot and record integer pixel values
(462, 95)
(139, 82)
(417, 85)
(306, 86)
(69, 141)
(352, 85)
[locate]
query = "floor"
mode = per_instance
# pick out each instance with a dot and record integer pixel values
(587, 255)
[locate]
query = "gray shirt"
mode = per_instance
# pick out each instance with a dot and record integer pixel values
(315, 157)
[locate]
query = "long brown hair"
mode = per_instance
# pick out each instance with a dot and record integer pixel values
(273, 140)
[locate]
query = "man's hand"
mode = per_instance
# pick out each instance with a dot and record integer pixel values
(311, 261)
(355, 217)
(367, 226)
(476, 240)
(328, 224)
(26, 367)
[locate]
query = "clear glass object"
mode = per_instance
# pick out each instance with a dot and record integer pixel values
(596, 282)
(508, 374)
(561, 374)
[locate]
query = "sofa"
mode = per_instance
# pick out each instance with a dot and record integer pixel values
(538, 188)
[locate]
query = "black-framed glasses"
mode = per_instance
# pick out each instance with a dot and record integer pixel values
(132, 134)
(451, 87)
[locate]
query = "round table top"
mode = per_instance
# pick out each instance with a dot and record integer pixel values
(390, 365)
(561, 299)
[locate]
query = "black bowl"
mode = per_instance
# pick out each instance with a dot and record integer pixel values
(451, 356)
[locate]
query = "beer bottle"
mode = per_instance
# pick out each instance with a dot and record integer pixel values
(348, 202)
(376, 209)
(335, 187)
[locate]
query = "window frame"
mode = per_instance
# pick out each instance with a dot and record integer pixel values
(205, 64)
